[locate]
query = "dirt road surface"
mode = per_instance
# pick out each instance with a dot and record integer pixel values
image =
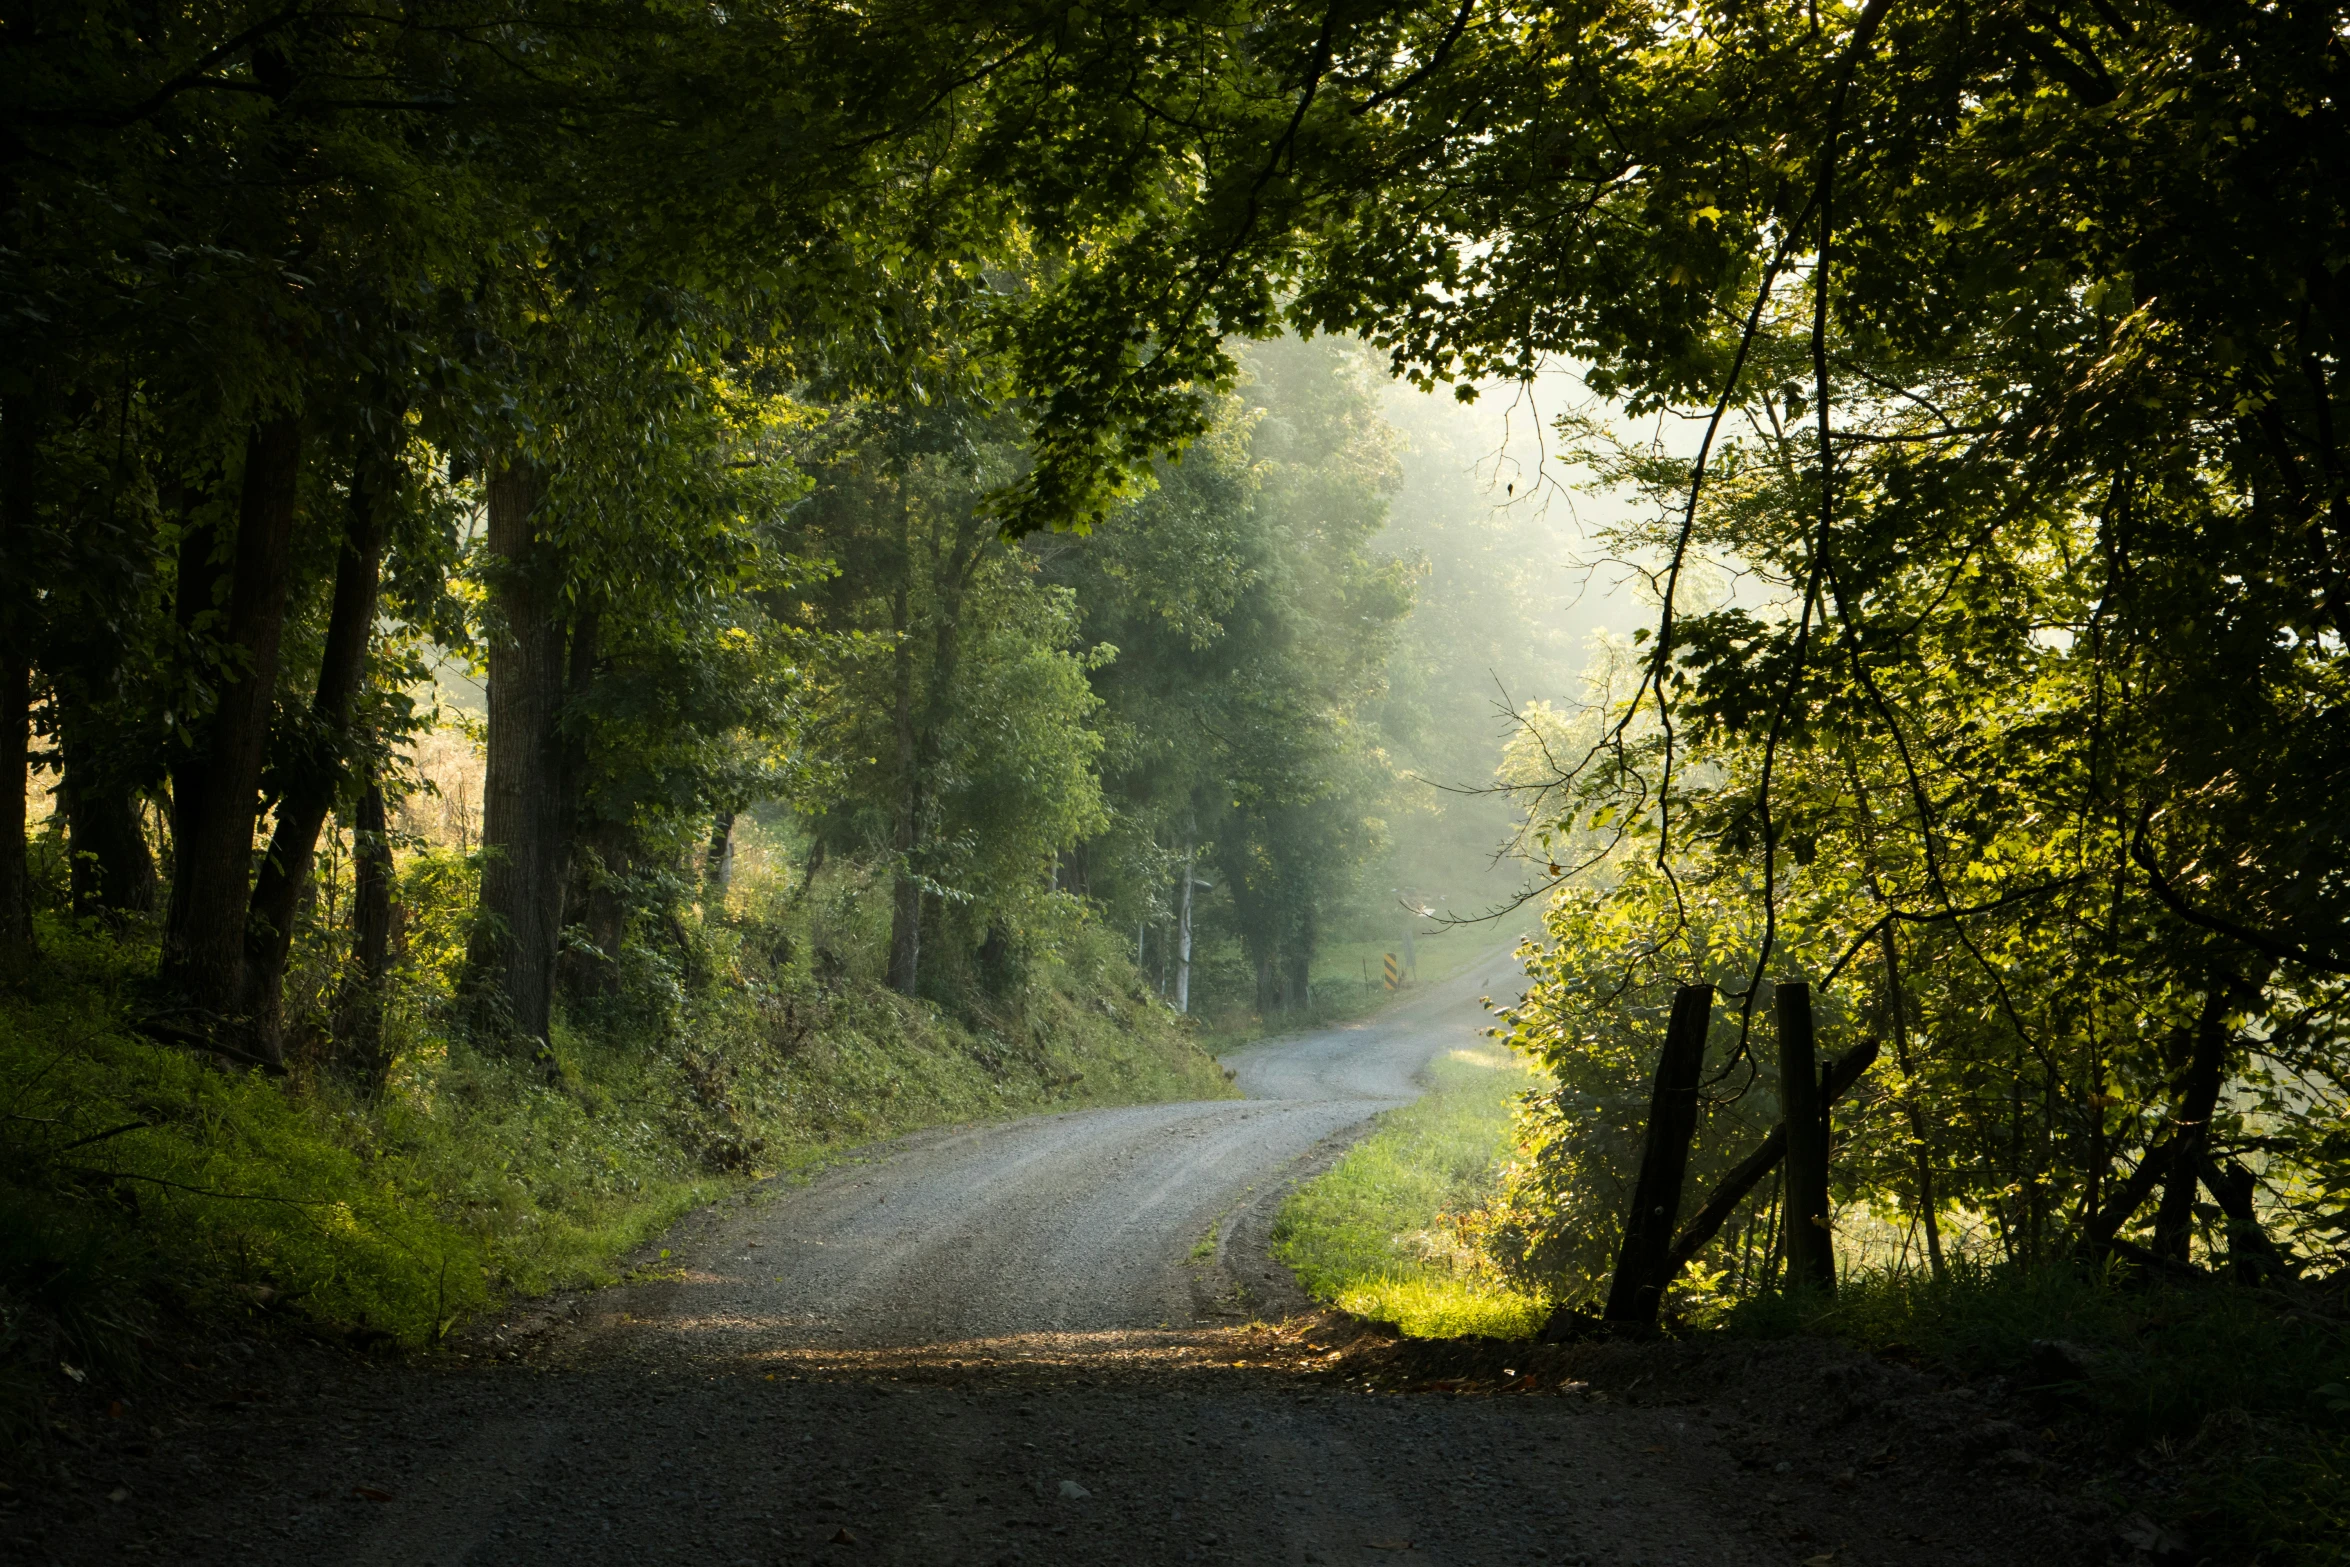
(1048, 1342)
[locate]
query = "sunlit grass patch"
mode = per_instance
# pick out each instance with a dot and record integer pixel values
(1377, 1234)
(1425, 1307)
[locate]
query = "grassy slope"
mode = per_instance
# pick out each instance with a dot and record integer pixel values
(140, 1183)
(1374, 1234)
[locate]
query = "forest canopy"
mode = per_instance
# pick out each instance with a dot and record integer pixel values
(882, 419)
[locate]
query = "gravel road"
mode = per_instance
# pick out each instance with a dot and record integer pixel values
(1043, 1343)
(1091, 1221)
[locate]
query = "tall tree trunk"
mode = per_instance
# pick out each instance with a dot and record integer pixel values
(112, 871)
(17, 949)
(216, 788)
(905, 907)
(1183, 930)
(360, 1048)
(921, 732)
(19, 456)
(314, 774)
(599, 906)
(2199, 1086)
(718, 859)
(523, 836)
(1897, 1023)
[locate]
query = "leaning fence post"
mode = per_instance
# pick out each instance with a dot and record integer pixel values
(1811, 1251)
(1643, 1264)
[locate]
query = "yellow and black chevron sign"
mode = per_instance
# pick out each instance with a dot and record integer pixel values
(1393, 974)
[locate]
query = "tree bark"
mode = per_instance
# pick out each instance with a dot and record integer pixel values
(315, 773)
(112, 870)
(19, 456)
(1642, 1266)
(512, 951)
(216, 788)
(360, 1053)
(1811, 1253)
(921, 730)
(2252, 1257)
(905, 907)
(1897, 1008)
(718, 859)
(599, 907)
(2174, 1217)
(1183, 930)
(18, 951)
(2106, 1223)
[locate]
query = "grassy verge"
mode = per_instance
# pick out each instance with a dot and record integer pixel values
(1376, 1235)
(143, 1185)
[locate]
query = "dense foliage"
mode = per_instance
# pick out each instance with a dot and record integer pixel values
(578, 583)
(844, 414)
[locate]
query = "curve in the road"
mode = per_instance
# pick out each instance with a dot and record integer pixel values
(1071, 1223)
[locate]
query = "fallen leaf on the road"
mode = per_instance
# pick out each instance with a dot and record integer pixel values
(1659, 1449)
(841, 1536)
(120, 1493)
(368, 1493)
(1073, 1491)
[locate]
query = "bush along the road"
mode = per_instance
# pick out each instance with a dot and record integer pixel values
(146, 1186)
(1382, 1234)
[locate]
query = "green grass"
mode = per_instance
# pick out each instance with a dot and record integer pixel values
(141, 1183)
(1377, 1235)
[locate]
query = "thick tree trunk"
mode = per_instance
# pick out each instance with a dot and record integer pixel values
(112, 870)
(921, 732)
(524, 831)
(216, 788)
(314, 774)
(361, 1056)
(19, 455)
(599, 907)
(2174, 1217)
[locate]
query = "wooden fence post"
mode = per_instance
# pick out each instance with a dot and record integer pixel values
(1811, 1251)
(1643, 1264)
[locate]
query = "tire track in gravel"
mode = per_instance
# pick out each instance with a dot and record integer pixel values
(951, 1354)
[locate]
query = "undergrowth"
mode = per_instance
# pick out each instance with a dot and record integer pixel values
(1379, 1234)
(144, 1186)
